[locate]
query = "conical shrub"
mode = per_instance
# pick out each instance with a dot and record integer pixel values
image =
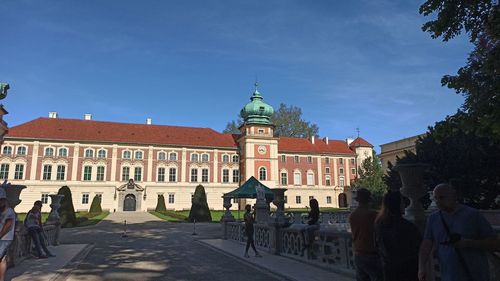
(95, 207)
(67, 210)
(160, 205)
(199, 208)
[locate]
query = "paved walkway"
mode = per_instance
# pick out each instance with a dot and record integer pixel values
(157, 250)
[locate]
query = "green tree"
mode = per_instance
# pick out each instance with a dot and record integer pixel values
(288, 121)
(67, 210)
(371, 178)
(479, 80)
(95, 207)
(199, 208)
(160, 205)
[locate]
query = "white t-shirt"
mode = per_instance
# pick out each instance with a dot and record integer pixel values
(8, 213)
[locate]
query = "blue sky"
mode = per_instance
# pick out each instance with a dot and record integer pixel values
(363, 64)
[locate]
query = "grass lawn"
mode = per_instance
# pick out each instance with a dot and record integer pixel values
(22, 216)
(91, 220)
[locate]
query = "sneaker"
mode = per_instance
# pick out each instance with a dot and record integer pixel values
(257, 255)
(246, 255)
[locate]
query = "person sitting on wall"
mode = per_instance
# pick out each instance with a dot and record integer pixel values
(312, 225)
(33, 223)
(7, 226)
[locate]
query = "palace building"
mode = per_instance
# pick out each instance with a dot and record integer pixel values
(129, 165)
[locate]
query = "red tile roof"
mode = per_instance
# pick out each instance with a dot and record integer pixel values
(113, 132)
(319, 146)
(360, 142)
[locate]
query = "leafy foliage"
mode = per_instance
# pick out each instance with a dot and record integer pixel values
(67, 210)
(371, 178)
(160, 205)
(199, 208)
(95, 207)
(288, 121)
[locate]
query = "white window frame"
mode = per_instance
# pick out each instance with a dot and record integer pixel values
(193, 175)
(99, 153)
(19, 173)
(172, 177)
(160, 176)
(235, 158)
(171, 198)
(284, 178)
(297, 178)
(225, 175)
(236, 176)
(127, 152)
(172, 156)
(138, 155)
(341, 182)
(62, 149)
(7, 150)
(85, 198)
(22, 147)
(58, 173)
(298, 199)
(310, 178)
(4, 171)
(47, 173)
(328, 181)
(85, 173)
(123, 174)
(46, 154)
(205, 177)
(44, 197)
(328, 200)
(205, 157)
(225, 158)
(262, 174)
(194, 157)
(138, 173)
(88, 153)
(162, 156)
(103, 174)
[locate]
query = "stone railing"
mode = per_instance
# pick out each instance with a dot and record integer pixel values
(331, 248)
(22, 245)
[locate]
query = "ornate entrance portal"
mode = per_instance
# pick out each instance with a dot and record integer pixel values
(129, 204)
(342, 200)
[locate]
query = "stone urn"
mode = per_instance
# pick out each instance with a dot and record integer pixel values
(13, 192)
(228, 216)
(279, 202)
(54, 205)
(412, 178)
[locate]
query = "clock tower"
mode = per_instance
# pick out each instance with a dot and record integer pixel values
(257, 144)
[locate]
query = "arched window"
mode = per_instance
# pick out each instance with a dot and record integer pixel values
(204, 157)
(236, 159)
(173, 156)
(225, 158)
(49, 152)
(138, 155)
(127, 155)
(7, 150)
(161, 156)
(101, 153)
(262, 174)
(21, 150)
(194, 157)
(63, 152)
(89, 153)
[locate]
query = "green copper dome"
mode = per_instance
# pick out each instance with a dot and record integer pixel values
(256, 111)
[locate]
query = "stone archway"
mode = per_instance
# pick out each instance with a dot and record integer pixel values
(129, 203)
(342, 200)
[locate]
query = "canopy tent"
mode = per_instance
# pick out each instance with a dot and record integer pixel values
(248, 190)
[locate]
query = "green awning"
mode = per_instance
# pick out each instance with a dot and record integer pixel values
(247, 190)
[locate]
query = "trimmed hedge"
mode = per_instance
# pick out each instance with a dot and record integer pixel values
(160, 205)
(95, 207)
(199, 208)
(67, 210)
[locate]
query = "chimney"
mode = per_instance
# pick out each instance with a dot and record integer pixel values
(149, 121)
(87, 116)
(349, 140)
(326, 140)
(53, 114)
(312, 139)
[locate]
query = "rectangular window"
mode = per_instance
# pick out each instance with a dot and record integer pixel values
(138, 174)
(328, 200)
(297, 199)
(125, 173)
(352, 161)
(47, 172)
(61, 172)
(194, 175)
(353, 171)
(284, 179)
(225, 175)
(85, 198)
(45, 198)
(100, 173)
(310, 179)
(204, 175)
(283, 158)
(87, 173)
(161, 174)
(341, 161)
(296, 179)
(172, 175)
(296, 159)
(328, 181)
(4, 171)
(327, 170)
(327, 160)
(236, 176)
(19, 172)
(309, 159)
(171, 198)
(341, 182)
(341, 171)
